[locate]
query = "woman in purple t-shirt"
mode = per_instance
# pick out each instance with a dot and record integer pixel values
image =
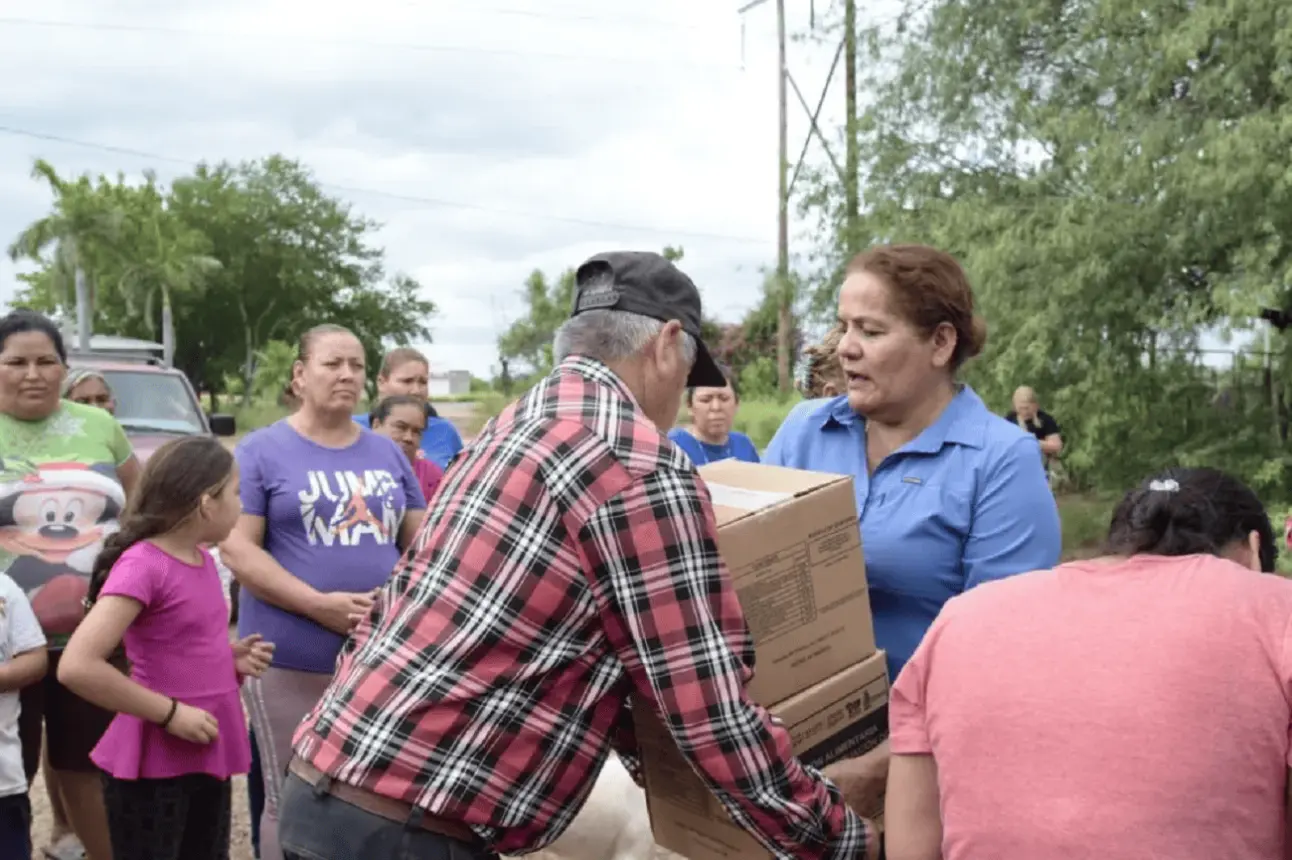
(327, 509)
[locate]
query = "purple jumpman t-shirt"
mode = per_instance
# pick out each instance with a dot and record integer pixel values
(332, 518)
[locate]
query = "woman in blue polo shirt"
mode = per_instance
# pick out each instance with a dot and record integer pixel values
(950, 495)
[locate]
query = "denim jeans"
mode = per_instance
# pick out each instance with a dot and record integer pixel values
(316, 826)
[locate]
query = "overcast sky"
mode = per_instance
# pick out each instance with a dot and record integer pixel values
(527, 134)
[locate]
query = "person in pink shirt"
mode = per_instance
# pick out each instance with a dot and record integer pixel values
(179, 733)
(1131, 706)
(402, 418)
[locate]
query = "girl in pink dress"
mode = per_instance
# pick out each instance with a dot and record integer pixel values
(402, 417)
(179, 733)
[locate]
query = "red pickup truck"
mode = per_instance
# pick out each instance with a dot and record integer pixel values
(154, 403)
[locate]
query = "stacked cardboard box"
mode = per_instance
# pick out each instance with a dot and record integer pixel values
(791, 543)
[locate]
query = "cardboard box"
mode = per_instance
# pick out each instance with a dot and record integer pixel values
(843, 717)
(792, 543)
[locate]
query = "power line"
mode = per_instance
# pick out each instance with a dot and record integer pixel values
(407, 46)
(633, 20)
(407, 198)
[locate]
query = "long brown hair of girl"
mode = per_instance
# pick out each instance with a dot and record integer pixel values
(172, 485)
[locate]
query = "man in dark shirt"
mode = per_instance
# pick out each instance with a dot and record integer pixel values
(1028, 415)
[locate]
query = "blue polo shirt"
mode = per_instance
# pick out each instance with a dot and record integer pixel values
(963, 503)
(441, 441)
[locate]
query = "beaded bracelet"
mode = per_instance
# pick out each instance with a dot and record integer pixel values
(174, 706)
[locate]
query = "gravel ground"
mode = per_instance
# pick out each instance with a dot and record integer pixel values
(241, 844)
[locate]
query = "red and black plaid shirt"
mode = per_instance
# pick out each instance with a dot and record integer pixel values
(567, 563)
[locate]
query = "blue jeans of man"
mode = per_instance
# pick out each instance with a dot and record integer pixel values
(314, 825)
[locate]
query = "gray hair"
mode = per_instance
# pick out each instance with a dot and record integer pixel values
(609, 335)
(77, 375)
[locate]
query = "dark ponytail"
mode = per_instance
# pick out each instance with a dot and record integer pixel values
(1189, 511)
(169, 491)
(134, 528)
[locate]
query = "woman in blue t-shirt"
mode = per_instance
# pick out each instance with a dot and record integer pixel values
(406, 371)
(713, 411)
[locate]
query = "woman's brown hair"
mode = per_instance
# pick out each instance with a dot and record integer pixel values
(398, 357)
(928, 287)
(306, 343)
(172, 485)
(822, 365)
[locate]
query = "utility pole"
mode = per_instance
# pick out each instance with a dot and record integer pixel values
(785, 297)
(784, 285)
(784, 292)
(850, 157)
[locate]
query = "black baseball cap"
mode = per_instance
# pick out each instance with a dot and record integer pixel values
(643, 282)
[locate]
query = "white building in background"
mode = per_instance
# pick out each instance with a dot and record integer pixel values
(450, 382)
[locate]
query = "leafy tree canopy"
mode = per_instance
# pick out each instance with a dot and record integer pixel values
(242, 254)
(1113, 177)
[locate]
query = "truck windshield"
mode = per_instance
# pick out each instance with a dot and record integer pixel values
(157, 402)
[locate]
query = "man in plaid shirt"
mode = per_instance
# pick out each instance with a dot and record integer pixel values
(567, 563)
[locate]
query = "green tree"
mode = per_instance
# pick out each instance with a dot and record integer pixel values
(393, 315)
(71, 240)
(527, 342)
(168, 258)
(244, 254)
(290, 255)
(749, 347)
(273, 368)
(1104, 172)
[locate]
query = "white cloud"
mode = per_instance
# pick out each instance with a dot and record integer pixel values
(521, 135)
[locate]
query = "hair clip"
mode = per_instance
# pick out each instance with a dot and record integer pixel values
(1170, 485)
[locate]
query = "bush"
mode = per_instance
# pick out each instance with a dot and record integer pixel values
(758, 380)
(1085, 520)
(487, 406)
(260, 413)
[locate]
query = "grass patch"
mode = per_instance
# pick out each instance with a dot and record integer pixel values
(1085, 521)
(759, 419)
(471, 397)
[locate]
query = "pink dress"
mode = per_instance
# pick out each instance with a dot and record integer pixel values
(178, 646)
